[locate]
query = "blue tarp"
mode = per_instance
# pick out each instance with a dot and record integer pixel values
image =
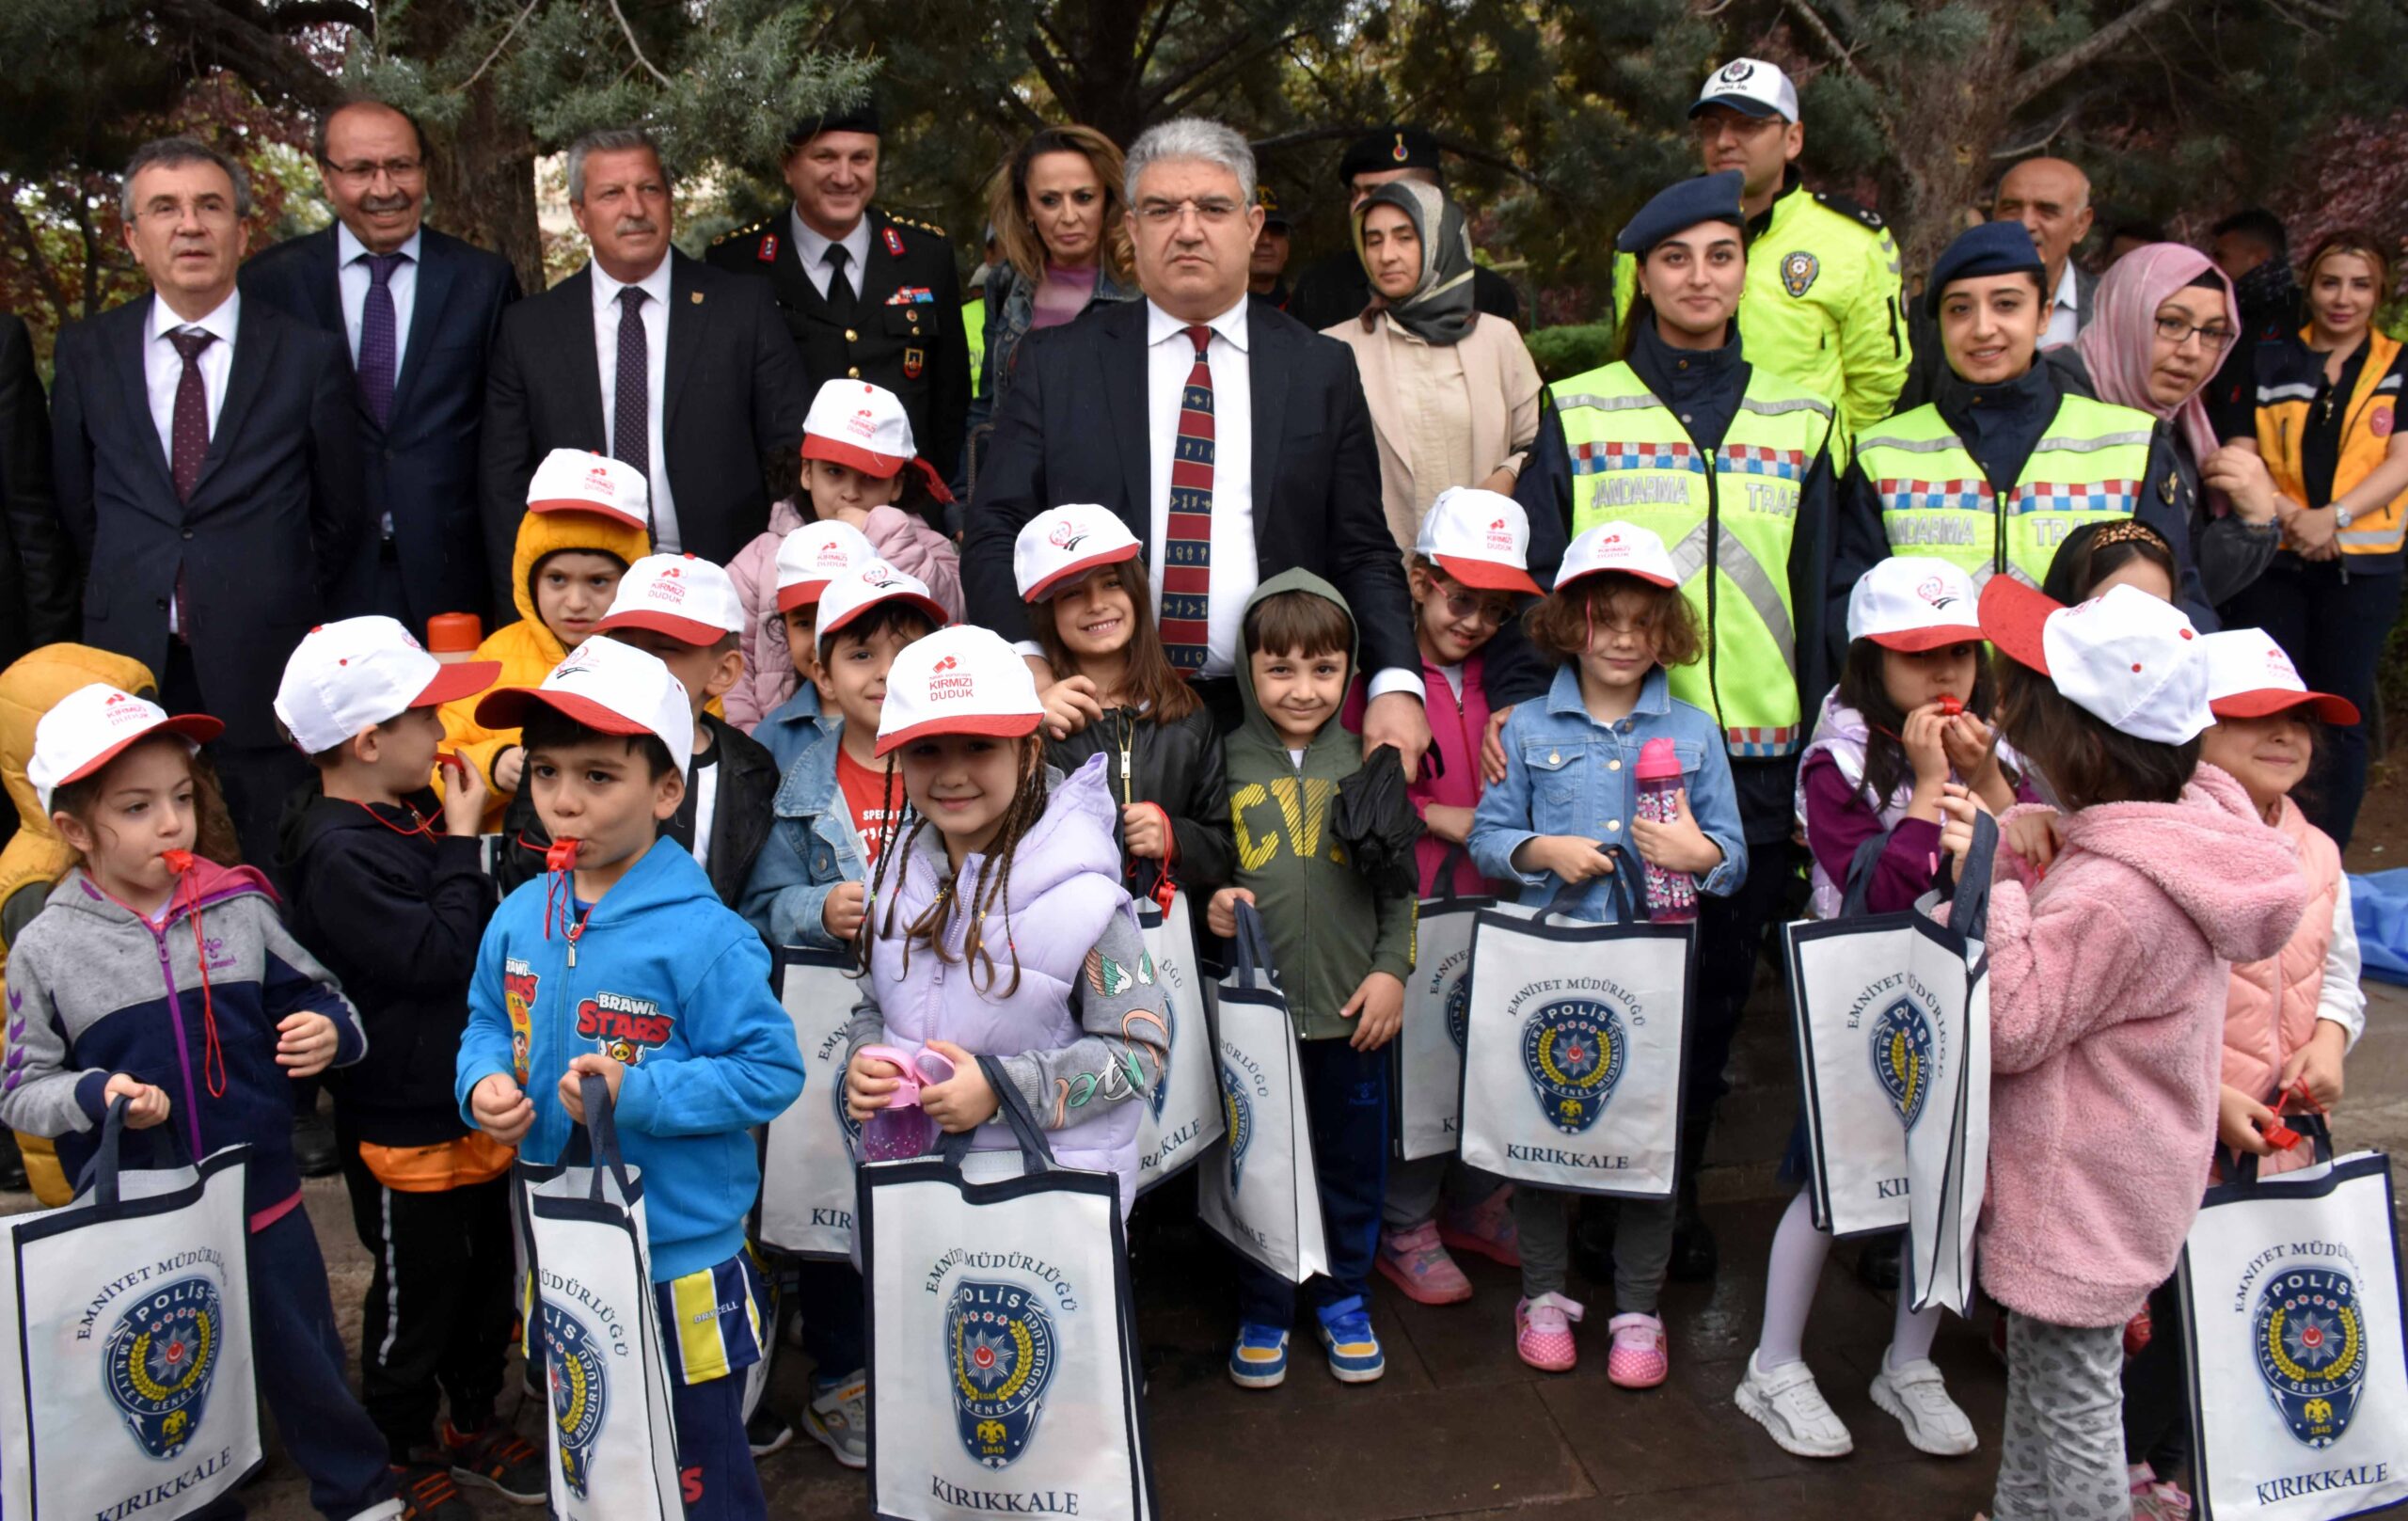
(2379, 903)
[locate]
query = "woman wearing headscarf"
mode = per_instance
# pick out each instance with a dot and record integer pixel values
(2164, 319)
(1454, 397)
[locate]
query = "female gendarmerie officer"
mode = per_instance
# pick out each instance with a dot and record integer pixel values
(1729, 464)
(2004, 464)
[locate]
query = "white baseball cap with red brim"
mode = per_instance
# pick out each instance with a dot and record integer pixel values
(91, 726)
(960, 680)
(1625, 549)
(865, 587)
(864, 427)
(685, 597)
(346, 675)
(1481, 538)
(581, 481)
(1913, 603)
(814, 554)
(609, 686)
(2127, 659)
(2249, 676)
(1062, 544)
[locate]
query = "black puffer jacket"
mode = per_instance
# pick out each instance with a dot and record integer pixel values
(397, 915)
(1177, 767)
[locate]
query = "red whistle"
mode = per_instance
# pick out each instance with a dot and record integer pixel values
(1949, 706)
(2280, 1136)
(562, 856)
(179, 861)
(451, 762)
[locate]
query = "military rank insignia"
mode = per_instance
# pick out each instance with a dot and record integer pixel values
(1798, 271)
(767, 252)
(893, 242)
(914, 360)
(1002, 1342)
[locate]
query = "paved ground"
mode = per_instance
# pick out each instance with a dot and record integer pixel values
(1461, 1429)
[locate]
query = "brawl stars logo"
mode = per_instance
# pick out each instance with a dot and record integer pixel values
(623, 1027)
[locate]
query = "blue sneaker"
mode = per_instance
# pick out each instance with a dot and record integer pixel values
(1355, 1355)
(1259, 1360)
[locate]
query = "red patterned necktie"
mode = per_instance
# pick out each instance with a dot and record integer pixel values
(1187, 552)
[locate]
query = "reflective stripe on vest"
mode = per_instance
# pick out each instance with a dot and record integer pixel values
(1730, 513)
(2087, 468)
(2366, 440)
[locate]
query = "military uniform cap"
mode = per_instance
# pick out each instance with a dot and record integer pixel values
(1989, 248)
(1389, 148)
(1708, 197)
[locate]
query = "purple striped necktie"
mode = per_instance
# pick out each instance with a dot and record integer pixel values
(379, 350)
(1187, 553)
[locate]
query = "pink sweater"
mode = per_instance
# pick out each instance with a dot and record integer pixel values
(2108, 983)
(901, 539)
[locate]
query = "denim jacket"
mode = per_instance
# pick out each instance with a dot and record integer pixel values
(1565, 773)
(793, 726)
(811, 849)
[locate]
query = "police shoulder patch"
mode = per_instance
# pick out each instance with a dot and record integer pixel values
(1845, 207)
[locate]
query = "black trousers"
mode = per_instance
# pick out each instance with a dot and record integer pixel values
(2332, 623)
(256, 779)
(437, 1320)
(1731, 934)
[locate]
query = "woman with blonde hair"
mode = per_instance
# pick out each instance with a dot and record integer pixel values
(1058, 214)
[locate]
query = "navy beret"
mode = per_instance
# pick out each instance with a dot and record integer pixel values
(1709, 197)
(859, 118)
(1986, 249)
(1390, 148)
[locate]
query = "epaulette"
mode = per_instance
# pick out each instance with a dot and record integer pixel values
(745, 232)
(915, 224)
(1845, 207)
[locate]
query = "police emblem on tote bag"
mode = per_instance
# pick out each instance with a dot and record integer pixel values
(133, 1387)
(1182, 1117)
(1429, 1051)
(1260, 1191)
(1573, 1058)
(2292, 1307)
(806, 1205)
(1003, 1368)
(593, 1329)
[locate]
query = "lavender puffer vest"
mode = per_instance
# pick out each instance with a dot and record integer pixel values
(1065, 889)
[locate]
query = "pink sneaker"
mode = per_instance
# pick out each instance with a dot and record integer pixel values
(1415, 1263)
(1543, 1333)
(1637, 1359)
(1486, 1228)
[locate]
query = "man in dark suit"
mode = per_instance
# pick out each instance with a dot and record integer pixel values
(208, 468)
(644, 354)
(866, 295)
(1097, 412)
(1336, 288)
(35, 559)
(416, 312)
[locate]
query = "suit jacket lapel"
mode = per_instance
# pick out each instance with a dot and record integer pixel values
(129, 343)
(255, 355)
(1124, 390)
(689, 315)
(324, 286)
(426, 309)
(574, 347)
(1267, 379)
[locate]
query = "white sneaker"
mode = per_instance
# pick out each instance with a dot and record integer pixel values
(1917, 1396)
(1787, 1402)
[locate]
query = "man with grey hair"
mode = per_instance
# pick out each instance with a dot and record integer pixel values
(680, 370)
(208, 468)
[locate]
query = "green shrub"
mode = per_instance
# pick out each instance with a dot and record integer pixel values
(1561, 352)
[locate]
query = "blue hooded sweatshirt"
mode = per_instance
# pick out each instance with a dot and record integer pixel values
(674, 985)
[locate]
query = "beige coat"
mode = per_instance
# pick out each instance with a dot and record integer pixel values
(1444, 416)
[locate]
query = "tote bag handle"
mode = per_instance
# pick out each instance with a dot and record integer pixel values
(2242, 1168)
(1859, 892)
(1630, 907)
(1253, 942)
(102, 1172)
(600, 1135)
(1456, 855)
(1970, 902)
(1012, 1109)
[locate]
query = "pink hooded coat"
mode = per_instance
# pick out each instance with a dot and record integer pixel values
(2108, 986)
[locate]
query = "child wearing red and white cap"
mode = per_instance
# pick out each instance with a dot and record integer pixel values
(776, 701)
(2109, 981)
(159, 976)
(1907, 718)
(389, 892)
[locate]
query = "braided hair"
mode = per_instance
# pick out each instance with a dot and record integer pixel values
(900, 835)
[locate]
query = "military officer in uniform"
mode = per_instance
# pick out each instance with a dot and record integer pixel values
(867, 296)
(1823, 306)
(1337, 288)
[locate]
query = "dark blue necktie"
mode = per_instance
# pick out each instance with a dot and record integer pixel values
(379, 353)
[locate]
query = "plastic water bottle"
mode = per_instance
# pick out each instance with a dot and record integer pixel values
(902, 1130)
(1671, 895)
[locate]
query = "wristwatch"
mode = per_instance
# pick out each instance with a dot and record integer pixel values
(2342, 517)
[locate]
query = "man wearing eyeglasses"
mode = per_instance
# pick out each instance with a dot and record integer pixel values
(417, 311)
(1822, 308)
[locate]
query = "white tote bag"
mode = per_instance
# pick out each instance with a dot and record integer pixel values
(1003, 1355)
(2292, 1316)
(806, 1205)
(1948, 1150)
(1573, 1056)
(1181, 1118)
(1259, 1193)
(133, 1386)
(613, 1443)
(1428, 1050)
(1877, 1005)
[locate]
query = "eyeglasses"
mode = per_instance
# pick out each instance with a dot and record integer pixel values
(2178, 331)
(1465, 608)
(367, 169)
(1741, 125)
(1212, 211)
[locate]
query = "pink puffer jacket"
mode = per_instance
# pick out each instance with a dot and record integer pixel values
(2272, 1010)
(2108, 985)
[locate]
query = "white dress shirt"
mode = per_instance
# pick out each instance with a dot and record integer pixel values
(2065, 316)
(654, 315)
(811, 250)
(162, 370)
(1169, 358)
(351, 276)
